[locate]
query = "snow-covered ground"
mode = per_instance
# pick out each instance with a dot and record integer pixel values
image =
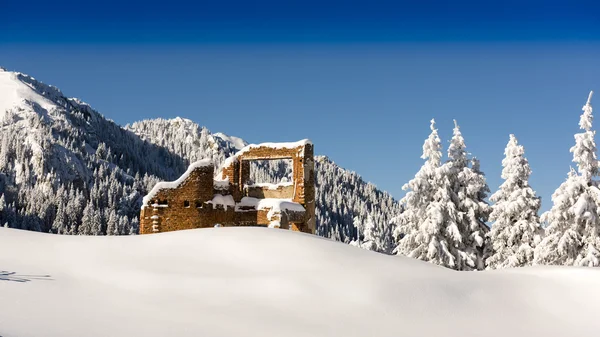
(265, 282)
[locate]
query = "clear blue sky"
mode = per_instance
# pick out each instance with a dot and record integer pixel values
(366, 75)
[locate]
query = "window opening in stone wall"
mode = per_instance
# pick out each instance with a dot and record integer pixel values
(186, 203)
(271, 171)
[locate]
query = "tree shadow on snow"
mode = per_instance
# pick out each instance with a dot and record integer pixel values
(13, 276)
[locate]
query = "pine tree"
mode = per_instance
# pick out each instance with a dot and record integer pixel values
(516, 230)
(134, 228)
(468, 192)
(426, 230)
(372, 235)
(98, 222)
(59, 226)
(2, 207)
(112, 224)
(10, 215)
(87, 221)
(123, 226)
(573, 232)
(358, 228)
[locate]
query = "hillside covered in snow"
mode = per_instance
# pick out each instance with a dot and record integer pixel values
(66, 169)
(265, 282)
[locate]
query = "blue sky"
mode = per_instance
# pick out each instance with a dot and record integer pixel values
(366, 76)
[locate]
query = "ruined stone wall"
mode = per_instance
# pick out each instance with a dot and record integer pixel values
(185, 206)
(181, 207)
(238, 173)
(261, 192)
(307, 195)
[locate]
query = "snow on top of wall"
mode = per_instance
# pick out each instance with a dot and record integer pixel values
(174, 184)
(275, 205)
(221, 184)
(270, 186)
(277, 146)
(219, 199)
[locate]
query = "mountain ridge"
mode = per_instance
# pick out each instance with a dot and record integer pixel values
(76, 172)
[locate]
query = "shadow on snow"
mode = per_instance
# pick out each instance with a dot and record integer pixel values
(13, 276)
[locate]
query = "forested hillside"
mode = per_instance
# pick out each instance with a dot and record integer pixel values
(66, 169)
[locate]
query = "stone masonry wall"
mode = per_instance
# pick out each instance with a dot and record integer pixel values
(186, 207)
(181, 207)
(238, 173)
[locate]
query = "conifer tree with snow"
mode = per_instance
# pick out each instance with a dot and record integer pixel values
(372, 235)
(427, 229)
(358, 227)
(89, 220)
(516, 230)
(60, 222)
(468, 192)
(4, 211)
(112, 224)
(573, 231)
(135, 226)
(2, 205)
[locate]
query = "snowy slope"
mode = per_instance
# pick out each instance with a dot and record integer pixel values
(14, 91)
(236, 142)
(263, 282)
(21, 98)
(59, 156)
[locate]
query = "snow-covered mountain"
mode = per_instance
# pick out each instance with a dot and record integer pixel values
(260, 282)
(66, 169)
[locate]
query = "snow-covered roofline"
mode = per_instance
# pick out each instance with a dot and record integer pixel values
(277, 146)
(174, 184)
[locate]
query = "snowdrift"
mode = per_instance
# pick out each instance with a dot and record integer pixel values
(264, 282)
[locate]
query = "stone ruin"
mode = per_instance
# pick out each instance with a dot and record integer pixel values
(199, 199)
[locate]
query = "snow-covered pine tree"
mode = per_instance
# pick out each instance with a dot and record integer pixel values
(469, 190)
(358, 227)
(2, 207)
(9, 216)
(88, 220)
(135, 226)
(123, 225)
(419, 195)
(427, 229)
(5, 211)
(112, 223)
(60, 221)
(516, 230)
(373, 235)
(573, 232)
